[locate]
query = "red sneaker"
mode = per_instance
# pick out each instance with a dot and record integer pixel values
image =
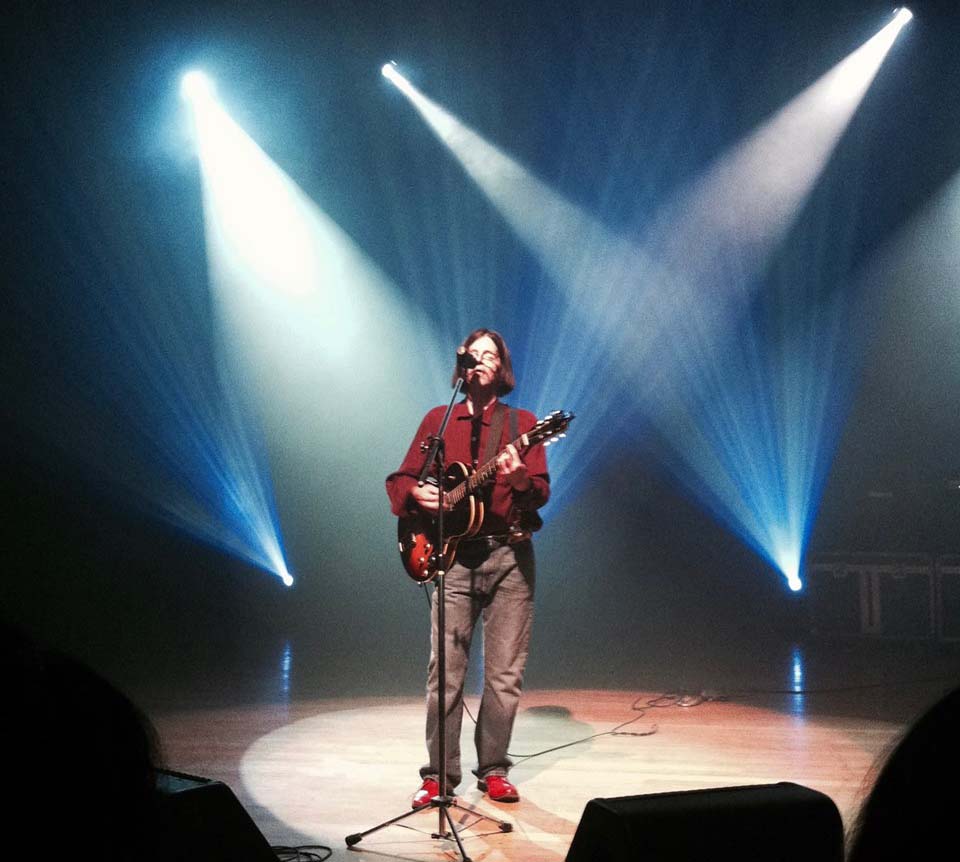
(429, 789)
(499, 789)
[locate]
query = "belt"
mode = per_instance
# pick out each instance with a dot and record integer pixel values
(486, 541)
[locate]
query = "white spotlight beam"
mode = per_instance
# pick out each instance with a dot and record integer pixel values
(707, 244)
(269, 244)
(720, 234)
(317, 332)
(599, 273)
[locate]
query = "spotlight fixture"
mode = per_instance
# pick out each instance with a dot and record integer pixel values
(392, 73)
(196, 86)
(902, 15)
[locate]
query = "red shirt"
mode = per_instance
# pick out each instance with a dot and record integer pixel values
(463, 444)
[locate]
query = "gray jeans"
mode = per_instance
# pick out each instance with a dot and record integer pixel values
(499, 585)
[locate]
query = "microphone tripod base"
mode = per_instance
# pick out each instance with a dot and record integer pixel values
(447, 828)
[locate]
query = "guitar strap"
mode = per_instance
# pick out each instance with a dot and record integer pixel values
(496, 432)
(525, 523)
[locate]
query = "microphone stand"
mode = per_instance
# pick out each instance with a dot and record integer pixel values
(434, 448)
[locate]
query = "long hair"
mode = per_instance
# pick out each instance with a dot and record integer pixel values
(505, 379)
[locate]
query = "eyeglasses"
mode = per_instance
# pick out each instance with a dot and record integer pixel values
(488, 357)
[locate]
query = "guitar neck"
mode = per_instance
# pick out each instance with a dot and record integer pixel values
(481, 476)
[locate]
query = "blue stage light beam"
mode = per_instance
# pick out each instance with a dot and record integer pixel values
(146, 403)
(661, 309)
(320, 337)
(233, 448)
(760, 438)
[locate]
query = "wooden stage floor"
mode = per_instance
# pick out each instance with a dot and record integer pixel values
(311, 771)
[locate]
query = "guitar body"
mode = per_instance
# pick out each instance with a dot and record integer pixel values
(417, 534)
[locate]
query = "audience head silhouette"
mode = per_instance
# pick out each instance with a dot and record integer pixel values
(83, 753)
(909, 812)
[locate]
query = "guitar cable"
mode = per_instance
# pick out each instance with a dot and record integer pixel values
(302, 853)
(687, 701)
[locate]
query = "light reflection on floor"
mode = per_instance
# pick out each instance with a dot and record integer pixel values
(313, 764)
(345, 769)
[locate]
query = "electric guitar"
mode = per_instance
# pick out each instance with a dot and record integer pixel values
(463, 505)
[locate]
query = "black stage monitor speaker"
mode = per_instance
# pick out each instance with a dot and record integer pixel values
(767, 823)
(202, 820)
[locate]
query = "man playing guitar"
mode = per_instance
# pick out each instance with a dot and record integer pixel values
(493, 573)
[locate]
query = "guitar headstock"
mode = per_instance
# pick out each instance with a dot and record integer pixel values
(551, 428)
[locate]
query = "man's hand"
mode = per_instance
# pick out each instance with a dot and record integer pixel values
(427, 497)
(513, 469)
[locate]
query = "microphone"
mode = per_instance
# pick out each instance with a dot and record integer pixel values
(466, 360)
